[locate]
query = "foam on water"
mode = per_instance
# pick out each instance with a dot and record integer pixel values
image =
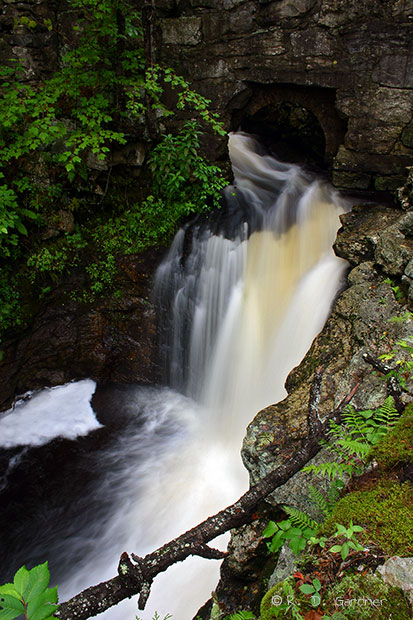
(62, 411)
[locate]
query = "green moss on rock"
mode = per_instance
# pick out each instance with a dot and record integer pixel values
(385, 513)
(367, 597)
(397, 446)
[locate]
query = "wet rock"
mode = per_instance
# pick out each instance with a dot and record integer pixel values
(181, 31)
(360, 232)
(398, 572)
(284, 568)
(393, 251)
(110, 340)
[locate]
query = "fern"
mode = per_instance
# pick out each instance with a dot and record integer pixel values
(241, 615)
(332, 470)
(325, 503)
(318, 499)
(387, 413)
(353, 447)
(299, 518)
(356, 421)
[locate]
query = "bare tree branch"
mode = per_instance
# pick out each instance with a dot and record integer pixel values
(137, 576)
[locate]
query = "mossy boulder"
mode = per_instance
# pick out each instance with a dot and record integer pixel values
(367, 597)
(396, 448)
(383, 510)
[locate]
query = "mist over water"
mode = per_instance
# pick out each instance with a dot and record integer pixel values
(239, 307)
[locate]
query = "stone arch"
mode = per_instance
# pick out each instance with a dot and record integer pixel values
(305, 116)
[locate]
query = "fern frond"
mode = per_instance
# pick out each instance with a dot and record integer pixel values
(354, 448)
(241, 615)
(335, 430)
(331, 470)
(318, 499)
(356, 421)
(299, 518)
(333, 493)
(387, 413)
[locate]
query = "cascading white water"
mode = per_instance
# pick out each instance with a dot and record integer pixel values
(244, 310)
(241, 306)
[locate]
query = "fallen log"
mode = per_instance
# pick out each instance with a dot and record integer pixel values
(136, 575)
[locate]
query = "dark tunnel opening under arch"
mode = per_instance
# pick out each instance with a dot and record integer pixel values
(295, 123)
(290, 132)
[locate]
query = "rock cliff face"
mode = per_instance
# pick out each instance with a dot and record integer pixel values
(333, 76)
(346, 64)
(110, 340)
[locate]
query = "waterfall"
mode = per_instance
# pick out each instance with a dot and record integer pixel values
(243, 306)
(241, 300)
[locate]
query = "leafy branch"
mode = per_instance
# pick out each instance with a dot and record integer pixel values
(29, 595)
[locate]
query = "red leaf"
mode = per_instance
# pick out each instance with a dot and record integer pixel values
(298, 575)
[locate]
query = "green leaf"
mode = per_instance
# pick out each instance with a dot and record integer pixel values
(270, 530)
(297, 544)
(9, 614)
(306, 588)
(335, 549)
(284, 525)
(41, 606)
(317, 584)
(11, 607)
(21, 580)
(38, 582)
(293, 531)
(7, 601)
(8, 588)
(345, 550)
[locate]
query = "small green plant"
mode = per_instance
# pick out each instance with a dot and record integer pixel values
(350, 543)
(314, 590)
(325, 503)
(404, 367)
(397, 291)
(290, 606)
(29, 595)
(353, 442)
(297, 530)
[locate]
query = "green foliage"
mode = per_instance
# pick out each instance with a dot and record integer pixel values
(350, 542)
(29, 595)
(50, 130)
(281, 602)
(156, 616)
(404, 366)
(365, 597)
(241, 615)
(297, 530)
(312, 589)
(174, 162)
(325, 503)
(397, 291)
(353, 441)
(299, 518)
